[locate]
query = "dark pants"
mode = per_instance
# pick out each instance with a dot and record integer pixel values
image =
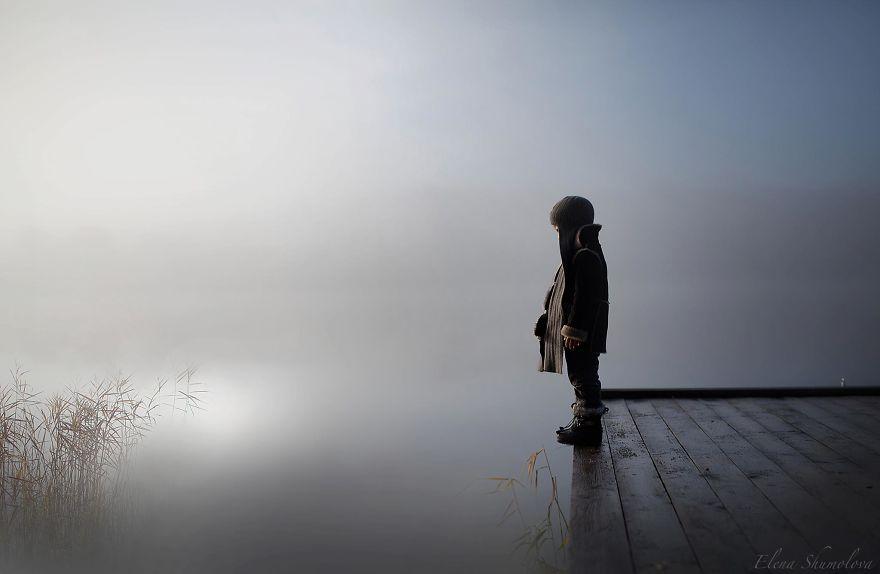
(583, 372)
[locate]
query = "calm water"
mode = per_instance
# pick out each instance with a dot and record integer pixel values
(337, 447)
(354, 430)
(368, 481)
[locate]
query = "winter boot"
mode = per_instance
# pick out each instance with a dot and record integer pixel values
(581, 430)
(585, 427)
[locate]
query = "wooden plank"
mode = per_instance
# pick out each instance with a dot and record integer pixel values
(839, 422)
(850, 411)
(717, 540)
(865, 484)
(852, 450)
(865, 404)
(821, 506)
(765, 526)
(859, 405)
(657, 540)
(811, 447)
(871, 401)
(767, 418)
(598, 533)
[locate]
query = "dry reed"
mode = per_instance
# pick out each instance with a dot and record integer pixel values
(63, 459)
(543, 544)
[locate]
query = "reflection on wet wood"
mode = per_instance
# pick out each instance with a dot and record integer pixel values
(599, 542)
(721, 484)
(657, 539)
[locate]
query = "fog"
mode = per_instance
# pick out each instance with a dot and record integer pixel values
(339, 213)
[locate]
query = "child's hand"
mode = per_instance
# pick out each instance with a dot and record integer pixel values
(571, 343)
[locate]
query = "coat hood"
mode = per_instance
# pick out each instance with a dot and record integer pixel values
(587, 236)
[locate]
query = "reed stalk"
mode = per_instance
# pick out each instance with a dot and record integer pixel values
(64, 459)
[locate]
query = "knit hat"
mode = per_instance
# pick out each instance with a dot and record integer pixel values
(572, 211)
(570, 214)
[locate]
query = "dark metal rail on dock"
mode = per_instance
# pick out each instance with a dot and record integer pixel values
(726, 392)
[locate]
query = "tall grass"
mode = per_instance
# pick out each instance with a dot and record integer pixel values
(63, 459)
(542, 544)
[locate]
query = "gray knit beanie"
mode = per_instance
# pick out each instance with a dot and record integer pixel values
(572, 211)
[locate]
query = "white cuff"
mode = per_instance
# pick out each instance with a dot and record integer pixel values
(576, 334)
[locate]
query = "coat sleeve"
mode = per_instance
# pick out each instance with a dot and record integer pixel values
(580, 319)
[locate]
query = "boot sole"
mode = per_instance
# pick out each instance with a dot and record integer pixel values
(591, 436)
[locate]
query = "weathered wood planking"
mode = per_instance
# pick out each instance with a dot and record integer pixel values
(826, 485)
(824, 456)
(819, 522)
(717, 540)
(841, 420)
(854, 451)
(657, 540)
(765, 526)
(850, 410)
(706, 485)
(871, 401)
(598, 533)
(857, 404)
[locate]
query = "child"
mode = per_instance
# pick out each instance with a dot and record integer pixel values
(575, 319)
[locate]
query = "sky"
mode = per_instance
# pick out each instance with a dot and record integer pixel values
(240, 157)
(344, 205)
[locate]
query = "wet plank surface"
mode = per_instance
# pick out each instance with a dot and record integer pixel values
(730, 485)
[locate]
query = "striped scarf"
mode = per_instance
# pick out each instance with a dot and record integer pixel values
(553, 347)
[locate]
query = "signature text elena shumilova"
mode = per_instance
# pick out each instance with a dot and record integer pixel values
(818, 561)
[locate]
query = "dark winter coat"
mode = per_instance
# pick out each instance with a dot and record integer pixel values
(584, 304)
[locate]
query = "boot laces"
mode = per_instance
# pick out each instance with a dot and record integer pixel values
(572, 424)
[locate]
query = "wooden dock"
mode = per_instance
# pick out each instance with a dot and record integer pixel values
(729, 483)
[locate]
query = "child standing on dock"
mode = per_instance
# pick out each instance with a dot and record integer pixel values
(574, 324)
